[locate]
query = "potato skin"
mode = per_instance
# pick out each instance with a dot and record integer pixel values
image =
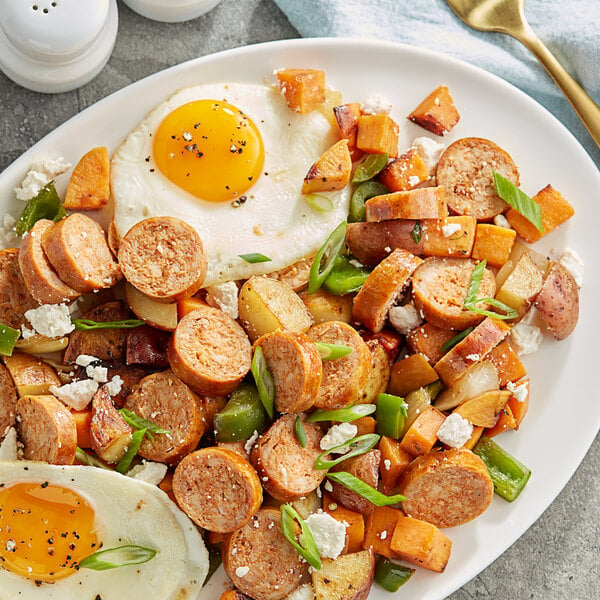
(348, 577)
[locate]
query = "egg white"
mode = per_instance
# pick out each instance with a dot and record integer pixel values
(128, 511)
(275, 220)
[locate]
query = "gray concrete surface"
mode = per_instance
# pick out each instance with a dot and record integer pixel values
(558, 557)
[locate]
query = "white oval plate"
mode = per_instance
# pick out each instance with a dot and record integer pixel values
(564, 413)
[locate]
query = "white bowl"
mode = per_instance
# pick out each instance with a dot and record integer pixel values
(171, 11)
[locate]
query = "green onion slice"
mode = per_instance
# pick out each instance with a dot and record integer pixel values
(417, 232)
(86, 324)
(354, 447)
(459, 337)
(369, 167)
(332, 351)
(319, 202)
(343, 415)
(8, 339)
(300, 432)
(91, 461)
(254, 257)
(305, 545)
(475, 282)
(364, 489)
(519, 200)
(365, 191)
(121, 556)
(138, 422)
(264, 380)
(323, 261)
(132, 450)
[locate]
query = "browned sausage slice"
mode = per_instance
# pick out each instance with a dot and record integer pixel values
(440, 287)
(422, 203)
(446, 488)
(109, 432)
(296, 368)
(77, 249)
(382, 287)
(15, 299)
(8, 400)
(260, 561)
(47, 429)
(343, 378)
(163, 399)
(285, 468)
(217, 488)
(210, 351)
(164, 258)
(465, 171)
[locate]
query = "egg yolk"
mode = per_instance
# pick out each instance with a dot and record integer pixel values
(209, 148)
(45, 530)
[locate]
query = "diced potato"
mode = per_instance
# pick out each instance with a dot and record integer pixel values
(331, 172)
(457, 245)
(32, 376)
(88, 187)
(379, 375)
(324, 306)
(437, 112)
(493, 244)
(348, 577)
(484, 410)
(156, 314)
(110, 434)
(267, 305)
(303, 89)
(333, 98)
(522, 285)
(377, 134)
(40, 344)
(308, 504)
(411, 373)
(405, 173)
(555, 211)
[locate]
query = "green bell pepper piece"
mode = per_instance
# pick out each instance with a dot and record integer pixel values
(46, 205)
(8, 338)
(345, 278)
(243, 414)
(390, 415)
(369, 167)
(391, 576)
(365, 191)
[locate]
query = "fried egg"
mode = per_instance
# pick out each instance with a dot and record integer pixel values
(52, 517)
(230, 160)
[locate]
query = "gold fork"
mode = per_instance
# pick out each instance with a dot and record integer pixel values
(508, 16)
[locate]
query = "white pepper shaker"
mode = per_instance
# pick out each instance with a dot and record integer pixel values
(171, 11)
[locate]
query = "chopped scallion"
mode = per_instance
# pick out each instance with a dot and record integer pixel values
(305, 545)
(323, 262)
(264, 380)
(370, 167)
(112, 558)
(300, 432)
(417, 232)
(138, 422)
(86, 324)
(354, 447)
(134, 445)
(254, 257)
(332, 351)
(342, 415)
(87, 459)
(364, 489)
(319, 202)
(519, 200)
(459, 337)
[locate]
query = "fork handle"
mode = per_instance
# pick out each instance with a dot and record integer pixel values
(587, 110)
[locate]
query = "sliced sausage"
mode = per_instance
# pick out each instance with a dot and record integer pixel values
(163, 399)
(343, 378)
(105, 344)
(296, 368)
(440, 287)
(15, 299)
(260, 561)
(109, 432)
(163, 257)
(147, 346)
(296, 275)
(285, 468)
(77, 249)
(365, 467)
(130, 376)
(422, 203)
(217, 488)
(465, 171)
(47, 429)
(476, 346)
(40, 277)
(446, 488)
(382, 287)
(428, 340)
(8, 400)
(210, 351)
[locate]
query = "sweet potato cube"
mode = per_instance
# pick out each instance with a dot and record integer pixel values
(89, 185)
(437, 112)
(346, 117)
(377, 134)
(484, 410)
(405, 173)
(410, 373)
(506, 421)
(188, 305)
(303, 89)
(355, 530)
(555, 210)
(477, 433)
(421, 544)
(493, 244)
(428, 341)
(381, 524)
(507, 363)
(331, 172)
(394, 460)
(365, 425)
(517, 407)
(459, 244)
(422, 434)
(83, 420)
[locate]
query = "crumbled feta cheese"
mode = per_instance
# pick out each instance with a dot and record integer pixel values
(113, 387)
(338, 434)
(304, 592)
(251, 441)
(413, 180)
(404, 318)
(93, 371)
(473, 357)
(27, 333)
(40, 174)
(242, 571)
(525, 339)
(225, 297)
(387, 464)
(455, 431)
(8, 235)
(376, 105)
(8, 447)
(150, 472)
(329, 534)
(328, 486)
(51, 320)
(77, 394)
(450, 229)
(502, 221)
(520, 392)
(572, 262)
(430, 151)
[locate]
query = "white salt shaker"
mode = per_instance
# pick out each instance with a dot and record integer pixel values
(56, 45)
(171, 11)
